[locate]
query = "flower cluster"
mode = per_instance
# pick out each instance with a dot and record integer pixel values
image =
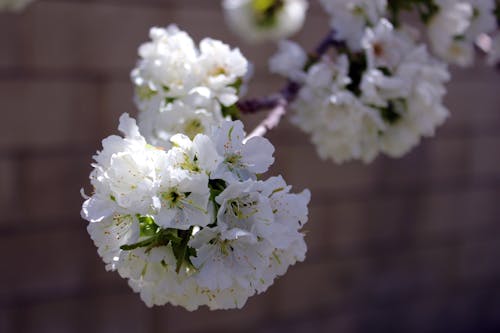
(177, 207)
(261, 20)
(192, 225)
(184, 89)
(455, 25)
(14, 5)
(383, 99)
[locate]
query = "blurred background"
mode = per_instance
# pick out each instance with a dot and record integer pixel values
(408, 245)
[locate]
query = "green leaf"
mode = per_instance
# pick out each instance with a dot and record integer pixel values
(144, 243)
(180, 250)
(237, 84)
(144, 92)
(231, 111)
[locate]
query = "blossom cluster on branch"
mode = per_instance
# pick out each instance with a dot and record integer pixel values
(177, 207)
(382, 99)
(380, 90)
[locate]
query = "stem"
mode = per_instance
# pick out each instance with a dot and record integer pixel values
(271, 121)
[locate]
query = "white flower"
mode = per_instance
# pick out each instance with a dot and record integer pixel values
(158, 126)
(289, 210)
(244, 213)
(377, 88)
(180, 89)
(289, 61)
(111, 233)
(221, 68)
(447, 32)
(167, 67)
(423, 109)
(223, 262)
(256, 220)
(341, 126)
(198, 156)
(260, 20)
(454, 29)
(14, 5)
(184, 199)
(241, 161)
(125, 176)
(384, 47)
(350, 18)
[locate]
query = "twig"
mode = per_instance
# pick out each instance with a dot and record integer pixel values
(272, 120)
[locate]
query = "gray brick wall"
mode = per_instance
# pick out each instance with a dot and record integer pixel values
(407, 245)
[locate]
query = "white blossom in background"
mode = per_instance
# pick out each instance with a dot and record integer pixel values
(455, 27)
(192, 225)
(264, 20)
(14, 5)
(447, 31)
(398, 99)
(421, 111)
(349, 19)
(340, 125)
(483, 18)
(181, 88)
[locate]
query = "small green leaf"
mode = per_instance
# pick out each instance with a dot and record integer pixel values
(144, 243)
(231, 111)
(237, 84)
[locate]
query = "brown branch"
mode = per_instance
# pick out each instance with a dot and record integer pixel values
(272, 120)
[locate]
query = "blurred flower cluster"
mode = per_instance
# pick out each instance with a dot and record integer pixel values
(382, 99)
(264, 20)
(380, 90)
(14, 5)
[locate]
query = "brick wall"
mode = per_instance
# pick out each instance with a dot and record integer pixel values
(407, 245)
